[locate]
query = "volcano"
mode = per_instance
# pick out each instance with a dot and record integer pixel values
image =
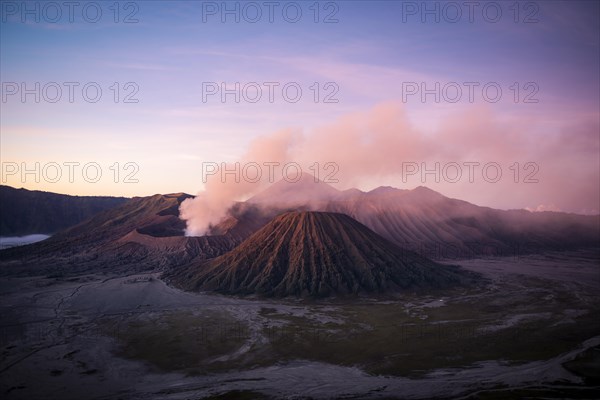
(315, 254)
(144, 233)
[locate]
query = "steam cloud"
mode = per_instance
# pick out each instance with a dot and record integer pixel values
(374, 145)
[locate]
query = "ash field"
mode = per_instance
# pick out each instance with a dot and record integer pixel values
(309, 304)
(530, 330)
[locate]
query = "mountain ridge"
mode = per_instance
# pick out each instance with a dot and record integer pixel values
(34, 211)
(424, 218)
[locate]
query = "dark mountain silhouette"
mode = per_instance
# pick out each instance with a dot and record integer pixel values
(315, 254)
(24, 212)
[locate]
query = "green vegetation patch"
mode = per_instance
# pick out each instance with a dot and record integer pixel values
(178, 341)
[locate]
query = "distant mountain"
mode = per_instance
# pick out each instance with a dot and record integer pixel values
(423, 220)
(315, 254)
(144, 233)
(24, 212)
(307, 190)
(426, 220)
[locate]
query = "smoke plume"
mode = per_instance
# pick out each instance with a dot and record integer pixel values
(375, 146)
